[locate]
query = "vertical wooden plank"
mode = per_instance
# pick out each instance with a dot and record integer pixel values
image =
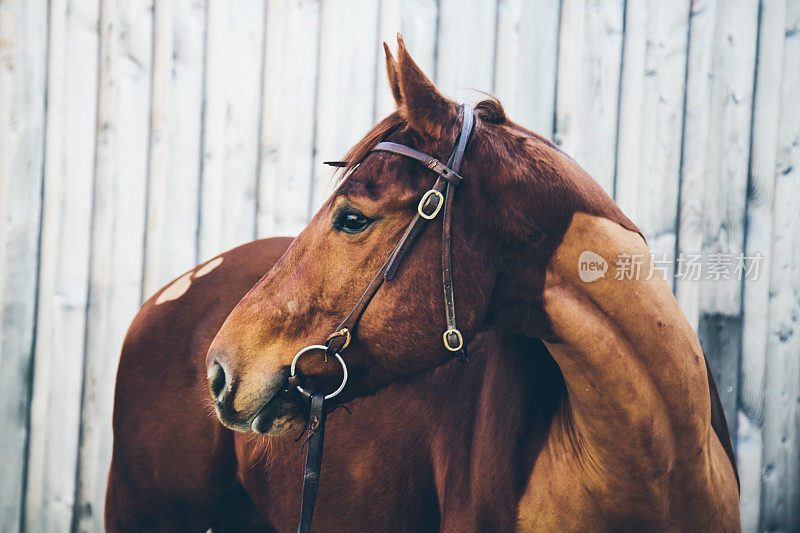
(23, 59)
(390, 22)
(212, 184)
(587, 92)
(718, 165)
(158, 161)
(696, 124)
(234, 63)
(174, 171)
(345, 101)
(780, 509)
(287, 122)
(526, 61)
(466, 48)
(417, 20)
(650, 120)
(117, 233)
(720, 321)
(758, 238)
(64, 264)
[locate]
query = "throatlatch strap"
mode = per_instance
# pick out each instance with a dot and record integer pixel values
(453, 339)
(316, 430)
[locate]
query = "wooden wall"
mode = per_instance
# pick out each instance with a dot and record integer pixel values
(138, 138)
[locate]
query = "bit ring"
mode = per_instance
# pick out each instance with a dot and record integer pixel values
(323, 348)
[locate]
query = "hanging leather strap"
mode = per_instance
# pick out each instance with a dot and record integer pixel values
(438, 199)
(316, 434)
(453, 340)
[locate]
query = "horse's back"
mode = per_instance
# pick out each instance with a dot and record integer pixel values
(169, 447)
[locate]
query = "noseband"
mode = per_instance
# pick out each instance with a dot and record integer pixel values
(438, 199)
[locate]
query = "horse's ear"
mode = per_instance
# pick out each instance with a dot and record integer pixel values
(391, 71)
(422, 105)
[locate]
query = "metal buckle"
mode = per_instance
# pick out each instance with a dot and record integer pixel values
(323, 348)
(447, 343)
(425, 199)
(344, 332)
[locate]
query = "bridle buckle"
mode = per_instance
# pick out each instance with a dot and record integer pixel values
(344, 332)
(439, 204)
(446, 337)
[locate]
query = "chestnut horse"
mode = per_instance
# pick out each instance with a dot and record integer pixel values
(413, 446)
(605, 423)
(632, 445)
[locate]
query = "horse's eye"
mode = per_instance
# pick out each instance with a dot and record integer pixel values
(351, 221)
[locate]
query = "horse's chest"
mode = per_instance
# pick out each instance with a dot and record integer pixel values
(358, 485)
(556, 497)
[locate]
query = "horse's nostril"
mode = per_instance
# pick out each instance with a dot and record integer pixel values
(216, 380)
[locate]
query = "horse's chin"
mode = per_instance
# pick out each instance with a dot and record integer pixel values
(286, 424)
(281, 415)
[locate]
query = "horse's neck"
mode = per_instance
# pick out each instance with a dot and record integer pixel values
(630, 359)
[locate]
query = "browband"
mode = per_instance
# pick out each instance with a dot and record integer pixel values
(445, 172)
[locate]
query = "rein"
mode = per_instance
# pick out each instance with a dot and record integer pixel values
(438, 199)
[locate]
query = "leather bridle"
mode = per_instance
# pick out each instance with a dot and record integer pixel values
(438, 199)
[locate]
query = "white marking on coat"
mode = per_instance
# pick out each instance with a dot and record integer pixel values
(176, 289)
(208, 267)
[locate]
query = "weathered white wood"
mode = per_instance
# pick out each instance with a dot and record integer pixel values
(64, 264)
(632, 89)
(234, 64)
(174, 172)
(651, 116)
(526, 61)
(780, 499)
(466, 48)
(212, 183)
(23, 59)
(158, 163)
(718, 94)
(758, 239)
(727, 151)
(587, 92)
(287, 122)
(417, 21)
(390, 22)
(748, 462)
(696, 127)
(117, 227)
(349, 50)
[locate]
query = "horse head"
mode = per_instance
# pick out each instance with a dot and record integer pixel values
(512, 206)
